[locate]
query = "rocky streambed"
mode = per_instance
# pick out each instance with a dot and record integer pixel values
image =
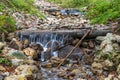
(37, 58)
(35, 51)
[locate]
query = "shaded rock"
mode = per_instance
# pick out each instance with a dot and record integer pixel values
(53, 45)
(1, 77)
(25, 43)
(77, 54)
(16, 44)
(75, 41)
(37, 47)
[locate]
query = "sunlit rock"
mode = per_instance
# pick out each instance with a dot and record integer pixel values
(97, 67)
(27, 70)
(2, 68)
(16, 77)
(118, 69)
(30, 52)
(2, 45)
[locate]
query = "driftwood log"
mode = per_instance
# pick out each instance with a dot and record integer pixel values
(72, 33)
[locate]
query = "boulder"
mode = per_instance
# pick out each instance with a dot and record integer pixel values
(77, 53)
(15, 54)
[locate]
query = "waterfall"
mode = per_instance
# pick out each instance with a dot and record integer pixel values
(47, 40)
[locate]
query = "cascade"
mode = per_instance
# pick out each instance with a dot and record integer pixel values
(50, 41)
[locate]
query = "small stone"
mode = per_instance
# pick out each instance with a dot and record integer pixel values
(76, 71)
(30, 52)
(26, 70)
(1, 77)
(38, 76)
(96, 67)
(2, 45)
(75, 41)
(17, 62)
(2, 68)
(118, 69)
(107, 63)
(49, 65)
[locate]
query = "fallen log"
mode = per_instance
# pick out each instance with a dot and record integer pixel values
(73, 33)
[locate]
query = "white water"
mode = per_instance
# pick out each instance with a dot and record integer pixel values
(47, 41)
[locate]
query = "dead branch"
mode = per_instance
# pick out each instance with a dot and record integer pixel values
(88, 31)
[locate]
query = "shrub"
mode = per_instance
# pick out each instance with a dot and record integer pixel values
(99, 11)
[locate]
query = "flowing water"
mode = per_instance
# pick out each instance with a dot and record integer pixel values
(50, 41)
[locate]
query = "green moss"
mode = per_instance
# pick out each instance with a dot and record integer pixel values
(4, 61)
(7, 7)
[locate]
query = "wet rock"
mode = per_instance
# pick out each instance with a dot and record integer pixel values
(30, 52)
(77, 54)
(53, 45)
(36, 46)
(2, 45)
(75, 41)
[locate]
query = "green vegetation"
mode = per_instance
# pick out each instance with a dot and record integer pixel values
(18, 55)
(7, 7)
(98, 11)
(4, 61)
